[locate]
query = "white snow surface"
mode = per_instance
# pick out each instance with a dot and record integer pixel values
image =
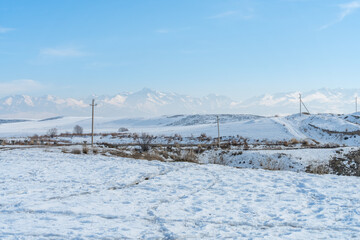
(323, 128)
(53, 195)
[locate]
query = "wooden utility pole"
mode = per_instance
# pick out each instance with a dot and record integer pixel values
(92, 122)
(300, 103)
(218, 126)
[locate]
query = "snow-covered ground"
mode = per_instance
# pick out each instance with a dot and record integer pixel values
(47, 194)
(323, 128)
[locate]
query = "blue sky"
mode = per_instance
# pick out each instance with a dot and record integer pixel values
(238, 48)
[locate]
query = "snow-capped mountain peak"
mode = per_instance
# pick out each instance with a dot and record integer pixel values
(148, 102)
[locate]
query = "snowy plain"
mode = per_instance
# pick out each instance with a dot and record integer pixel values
(48, 194)
(323, 128)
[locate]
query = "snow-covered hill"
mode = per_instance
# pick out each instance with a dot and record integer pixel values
(318, 128)
(148, 103)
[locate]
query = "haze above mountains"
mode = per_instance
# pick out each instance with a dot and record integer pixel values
(149, 103)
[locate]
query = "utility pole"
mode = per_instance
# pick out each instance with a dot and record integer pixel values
(300, 103)
(92, 122)
(218, 126)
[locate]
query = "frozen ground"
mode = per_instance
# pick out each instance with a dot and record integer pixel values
(323, 128)
(53, 195)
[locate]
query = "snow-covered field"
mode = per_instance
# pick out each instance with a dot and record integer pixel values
(48, 194)
(323, 128)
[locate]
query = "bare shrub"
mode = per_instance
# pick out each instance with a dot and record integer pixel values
(272, 164)
(246, 145)
(217, 159)
(95, 151)
(189, 156)
(135, 136)
(52, 132)
(178, 137)
(144, 141)
(294, 141)
(35, 137)
(162, 153)
(203, 137)
(78, 130)
(318, 169)
(123, 129)
(85, 149)
(76, 151)
(225, 146)
(305, 143)
(236, 153)
(200, 149)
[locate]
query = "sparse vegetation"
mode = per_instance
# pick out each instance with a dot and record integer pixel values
(52, 132)
(189, 156)
(318, 169)
(349, 165)
(78, 130)
(144, 141)
(272, 164)
(75, 151)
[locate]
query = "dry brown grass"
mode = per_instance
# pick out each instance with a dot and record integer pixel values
(76, 151)
(318, 169)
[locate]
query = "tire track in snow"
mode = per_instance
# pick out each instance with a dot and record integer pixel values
(162, 172)
(290, 128)
(161, 221)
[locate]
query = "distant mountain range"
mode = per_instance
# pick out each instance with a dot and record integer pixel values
(147, 102)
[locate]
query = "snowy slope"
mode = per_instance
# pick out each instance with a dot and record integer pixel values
(50, 195)
(323, 128)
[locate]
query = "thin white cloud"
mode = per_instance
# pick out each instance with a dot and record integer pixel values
(5, 30)
(20, 87)
(224, 14)
(346, 10)
(171, 30)
(62, 52)
(163, 30)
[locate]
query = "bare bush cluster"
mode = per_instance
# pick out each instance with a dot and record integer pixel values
(144, 141)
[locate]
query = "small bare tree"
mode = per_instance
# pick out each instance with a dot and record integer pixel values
(78, 130)
(52, 132)
(144, 141)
